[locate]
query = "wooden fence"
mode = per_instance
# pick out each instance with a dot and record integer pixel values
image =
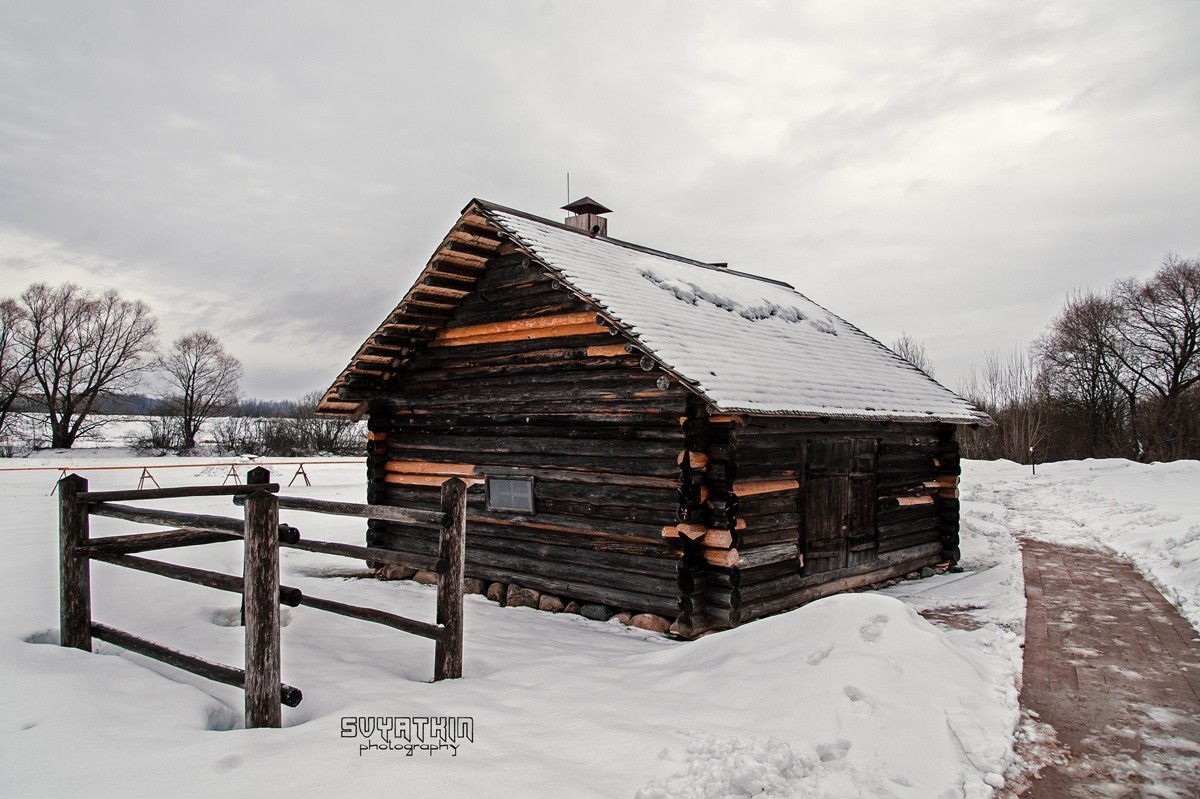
(262, 593)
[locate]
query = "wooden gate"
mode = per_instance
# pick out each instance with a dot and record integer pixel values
(839, 528)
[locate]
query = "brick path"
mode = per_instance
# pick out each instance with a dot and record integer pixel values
(1115, 670)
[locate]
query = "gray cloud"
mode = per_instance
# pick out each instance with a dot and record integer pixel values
(278, 173)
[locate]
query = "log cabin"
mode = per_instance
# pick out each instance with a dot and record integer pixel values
(647, 432)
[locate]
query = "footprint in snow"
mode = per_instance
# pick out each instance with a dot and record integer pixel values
(872, 631)
(819, 654)
(833, 752)
(863, 706)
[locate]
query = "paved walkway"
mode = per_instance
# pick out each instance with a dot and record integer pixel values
(1115, 670)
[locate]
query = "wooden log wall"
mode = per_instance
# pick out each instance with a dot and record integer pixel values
(741, 554)
(525, 380)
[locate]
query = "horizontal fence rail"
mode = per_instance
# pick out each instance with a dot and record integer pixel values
(262, 535)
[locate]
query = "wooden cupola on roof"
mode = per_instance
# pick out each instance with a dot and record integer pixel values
(585, 215)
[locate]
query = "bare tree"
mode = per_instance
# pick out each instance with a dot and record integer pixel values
(1089, 386)
(1159, 344)
(334, 435)
(913, 351)
(202, 380)
(14, 359)
(1009, 388)
(82, 347)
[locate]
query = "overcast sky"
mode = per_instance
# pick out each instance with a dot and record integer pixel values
(280, 172)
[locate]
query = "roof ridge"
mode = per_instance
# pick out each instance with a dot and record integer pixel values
(491, 206)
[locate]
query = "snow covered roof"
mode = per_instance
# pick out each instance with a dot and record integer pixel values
(745, 343)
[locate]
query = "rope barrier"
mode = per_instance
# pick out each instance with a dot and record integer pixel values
(145, 473)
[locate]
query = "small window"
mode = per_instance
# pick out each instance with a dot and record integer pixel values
(513, 494)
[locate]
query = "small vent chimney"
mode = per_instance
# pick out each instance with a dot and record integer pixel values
(586, 216)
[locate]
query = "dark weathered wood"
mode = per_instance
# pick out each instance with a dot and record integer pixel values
(448, 660)
(590, 448)
(216, 672)
(261, 594)
(74, 572)
(420, 518)
(646, 532)
(146, 542)
(401, 623)
(886, 566)
(188, 574)
(659, 563)
(373, 554)
(195, 521)
(579, 573)
(173, 493)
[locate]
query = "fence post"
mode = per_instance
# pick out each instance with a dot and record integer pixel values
(74, 568)
(260, 575)
(452, 549)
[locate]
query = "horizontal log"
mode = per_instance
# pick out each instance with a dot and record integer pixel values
(906, 502)
(418, 426)
(662, 564)
(915, 539)
(515, 326)
(760, 538)
(422, 303)
(607, 351)
(458, 258)
(795, 589)
(476, 310)
(599, 475)
(474, 238)
(371, 554)
(421, 628)
(618, 404)
(434, 480)
(388, 513)
(689, 531)
(611, 509)
(146, 542)
(446, 470)
(570, 368)
(591, 448)
(549, 521)
(196, 521)
(173, 493)
(662, 604)
(386, 363)
(561, 331)
(748, 489)
(594, 540)
(764, 555)
(227, 675)
(907, 527)
(451, 280)
(586, 573)
(724, 558)
(222, 582)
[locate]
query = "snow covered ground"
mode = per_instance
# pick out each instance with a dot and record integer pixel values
(1147, 513)
(852, 696)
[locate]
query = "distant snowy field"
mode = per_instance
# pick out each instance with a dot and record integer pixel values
(854, 695)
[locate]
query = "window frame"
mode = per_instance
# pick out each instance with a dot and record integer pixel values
(527, 480)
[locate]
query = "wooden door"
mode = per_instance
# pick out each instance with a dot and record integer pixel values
(839, 528)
